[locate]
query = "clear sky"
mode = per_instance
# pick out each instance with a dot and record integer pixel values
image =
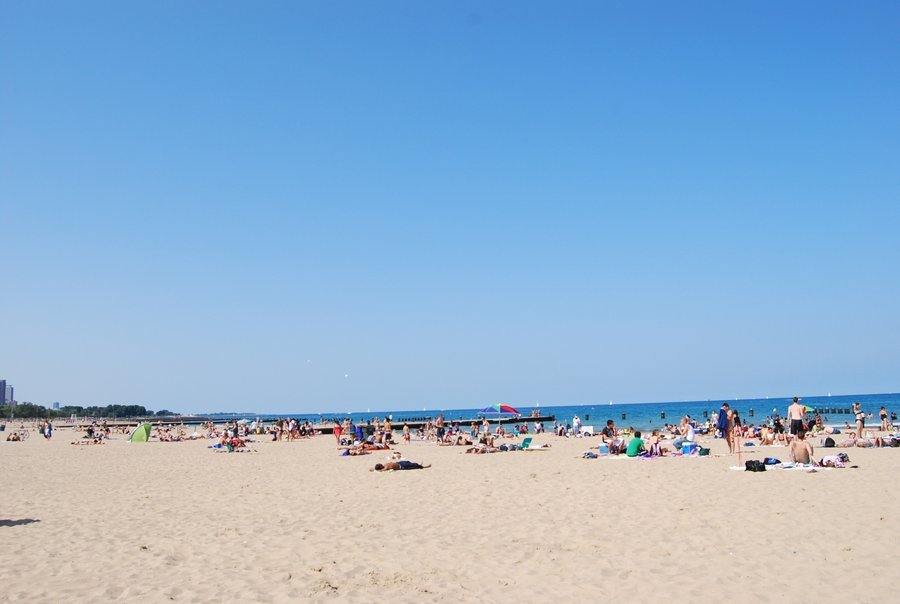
(328, 206)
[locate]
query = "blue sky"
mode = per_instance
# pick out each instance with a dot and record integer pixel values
(331, 206)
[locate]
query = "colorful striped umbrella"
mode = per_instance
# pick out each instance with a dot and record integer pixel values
(500, 408)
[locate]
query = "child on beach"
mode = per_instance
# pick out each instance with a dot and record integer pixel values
(635, 445)
(654, 449)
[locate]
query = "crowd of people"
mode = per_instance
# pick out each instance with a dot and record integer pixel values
(481, 436)
(773, 430)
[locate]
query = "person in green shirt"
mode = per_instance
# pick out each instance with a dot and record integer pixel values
(635, 446)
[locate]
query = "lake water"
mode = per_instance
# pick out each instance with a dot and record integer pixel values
(643, 416)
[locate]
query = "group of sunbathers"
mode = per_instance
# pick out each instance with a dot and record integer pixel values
(89, 441)
(362, 448)
(290, 429)
(232, 444)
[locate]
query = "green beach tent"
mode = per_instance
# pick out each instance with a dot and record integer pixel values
(141, 434)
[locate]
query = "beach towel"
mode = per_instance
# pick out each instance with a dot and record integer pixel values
(789, 466)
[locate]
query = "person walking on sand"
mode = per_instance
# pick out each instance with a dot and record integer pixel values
(725, 425)
(795, 414)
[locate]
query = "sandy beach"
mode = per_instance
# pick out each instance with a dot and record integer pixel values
(178, 521)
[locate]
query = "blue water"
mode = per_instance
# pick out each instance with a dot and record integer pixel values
(643, 416)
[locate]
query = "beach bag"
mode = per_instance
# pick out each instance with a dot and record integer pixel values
(829, 443)
(844, 457)
(771, 461)
(754, 465)
(703, 451)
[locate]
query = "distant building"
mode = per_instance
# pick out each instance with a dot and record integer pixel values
(56, 406)
(10, 398)
(2, 392)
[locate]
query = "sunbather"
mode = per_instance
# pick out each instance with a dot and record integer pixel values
(653, 446)
(800, 449)
(391, 466)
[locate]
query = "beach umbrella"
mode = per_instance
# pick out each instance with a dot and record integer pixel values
(499, 409)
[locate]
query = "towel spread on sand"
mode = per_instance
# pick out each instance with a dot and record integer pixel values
(787, 466)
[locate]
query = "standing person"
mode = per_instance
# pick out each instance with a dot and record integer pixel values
(439, 425)
(576, 425)
(725, 425)
(485, 426)
(795, 414)
(885, 424)
(337, 431)
(860, 419)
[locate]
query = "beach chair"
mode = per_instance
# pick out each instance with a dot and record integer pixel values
(526, 443)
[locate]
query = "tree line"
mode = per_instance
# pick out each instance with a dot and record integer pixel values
(32, 411)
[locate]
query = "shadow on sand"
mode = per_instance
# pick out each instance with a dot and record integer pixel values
(4, 522)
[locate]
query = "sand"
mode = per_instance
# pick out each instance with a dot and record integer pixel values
(177, 521)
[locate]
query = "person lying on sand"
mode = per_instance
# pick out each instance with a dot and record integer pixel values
(487, 440)
(481, 449)
(455, 440)
(235, 442)
(864, 443)
(402, 464)
(835, 461)
(362, 448)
